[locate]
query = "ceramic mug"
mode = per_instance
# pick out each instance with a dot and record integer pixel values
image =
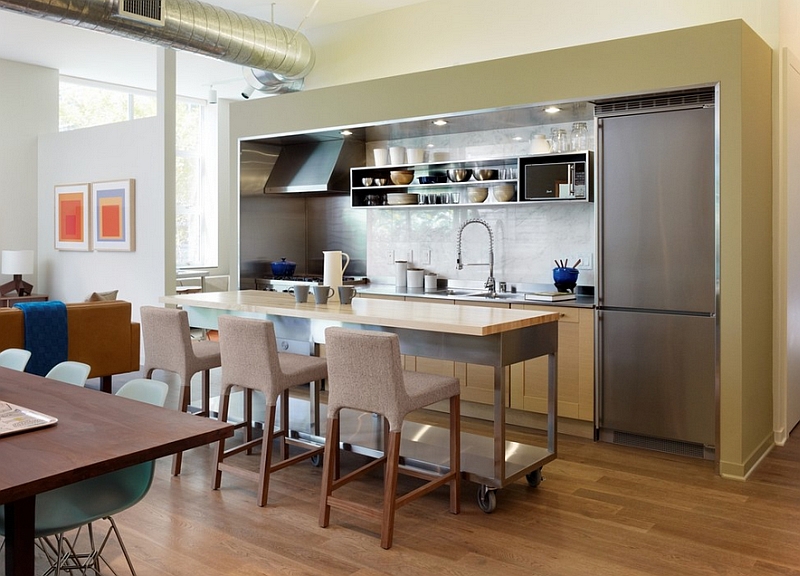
(346, 294)
(300, 293)
(322, 293)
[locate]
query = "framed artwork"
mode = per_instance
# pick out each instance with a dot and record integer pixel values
(72, 217)
(113, 209)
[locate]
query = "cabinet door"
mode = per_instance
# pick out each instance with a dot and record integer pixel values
(575, 368)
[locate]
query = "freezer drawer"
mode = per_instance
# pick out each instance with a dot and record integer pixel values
(657, 375)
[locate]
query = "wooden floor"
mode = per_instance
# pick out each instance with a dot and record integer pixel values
(601, 510)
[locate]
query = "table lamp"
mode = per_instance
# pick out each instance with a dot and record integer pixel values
(16, 263)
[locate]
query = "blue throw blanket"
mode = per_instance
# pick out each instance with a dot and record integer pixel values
(45, 334)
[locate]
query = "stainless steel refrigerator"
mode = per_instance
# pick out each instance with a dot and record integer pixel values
(658, 280)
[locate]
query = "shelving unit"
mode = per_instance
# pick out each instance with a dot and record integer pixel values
(433, 192)
(442, 193)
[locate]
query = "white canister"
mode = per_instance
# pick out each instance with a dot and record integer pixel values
(381, 156)
(415, 277)
(400, 268)
(397, 154)
(431, 281)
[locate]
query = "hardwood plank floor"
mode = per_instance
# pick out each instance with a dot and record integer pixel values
(601, 510)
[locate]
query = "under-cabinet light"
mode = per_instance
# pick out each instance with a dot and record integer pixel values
(346, 133)
(552, 109)
(440, 122)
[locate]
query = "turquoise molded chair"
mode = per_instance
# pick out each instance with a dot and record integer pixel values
(15, 358)
(75, 505)
(70, 372)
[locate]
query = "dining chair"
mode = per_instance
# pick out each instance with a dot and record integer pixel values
(71, 372)
(169, 346)
(365, 373)
(83, 503)
(250, 360)
(15, 358)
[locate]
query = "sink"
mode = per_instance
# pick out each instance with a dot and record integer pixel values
(497, 296)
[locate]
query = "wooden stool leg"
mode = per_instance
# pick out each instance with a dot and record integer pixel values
(225, 397)
(186, 392)
(390, 489)
(247, 399)
(455, 453)
(284, 424)
(266, 457)
(205, 402)
(329, 466)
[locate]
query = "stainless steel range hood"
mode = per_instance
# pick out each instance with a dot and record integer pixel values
(315, 166)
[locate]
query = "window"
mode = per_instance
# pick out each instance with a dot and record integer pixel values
(83, 104)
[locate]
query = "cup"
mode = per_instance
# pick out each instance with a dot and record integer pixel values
(415, 155)
(346, 294)
(300, 293)
(397, 154)
(381, 156)
(322, 293)
(455, 197)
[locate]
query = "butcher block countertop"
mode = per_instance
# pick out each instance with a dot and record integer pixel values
(468, 320)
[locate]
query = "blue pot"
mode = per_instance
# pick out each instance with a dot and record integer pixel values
(283, 269)
(565, 279)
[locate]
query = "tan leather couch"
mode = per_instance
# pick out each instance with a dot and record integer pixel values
(99, 334)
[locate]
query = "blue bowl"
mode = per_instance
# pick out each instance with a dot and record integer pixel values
(565, 279)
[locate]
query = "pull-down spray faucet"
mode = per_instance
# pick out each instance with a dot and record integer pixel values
(490, 282)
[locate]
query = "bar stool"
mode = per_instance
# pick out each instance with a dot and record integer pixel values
(366, 374)
(250, 360)
(168, 346)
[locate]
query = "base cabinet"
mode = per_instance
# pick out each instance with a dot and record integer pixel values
(575, 368)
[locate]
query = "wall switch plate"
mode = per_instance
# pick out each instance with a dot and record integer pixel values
(426, 257)
(586, 261)
(390, 256)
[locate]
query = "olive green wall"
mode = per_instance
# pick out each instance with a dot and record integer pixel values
(727, 53)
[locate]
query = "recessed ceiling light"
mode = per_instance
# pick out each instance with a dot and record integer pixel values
(517, 138)
(430, 145)
(440, 122)
(346, 133)
(552, 109)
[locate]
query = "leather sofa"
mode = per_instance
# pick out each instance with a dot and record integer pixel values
(99, 334)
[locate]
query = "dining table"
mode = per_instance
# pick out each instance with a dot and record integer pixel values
(94, 434)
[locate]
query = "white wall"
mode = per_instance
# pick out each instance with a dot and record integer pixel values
(28, 107)
(112, 152)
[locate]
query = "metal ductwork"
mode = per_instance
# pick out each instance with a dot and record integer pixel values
(285, 56)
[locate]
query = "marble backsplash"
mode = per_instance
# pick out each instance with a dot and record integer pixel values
(527, 237)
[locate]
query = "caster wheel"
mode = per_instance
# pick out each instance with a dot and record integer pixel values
(534, 478)
(316, 460)
(487, 499)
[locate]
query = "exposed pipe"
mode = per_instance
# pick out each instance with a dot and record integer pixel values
(284, 54)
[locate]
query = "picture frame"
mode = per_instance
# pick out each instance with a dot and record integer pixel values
(72, 222)
(113, 215)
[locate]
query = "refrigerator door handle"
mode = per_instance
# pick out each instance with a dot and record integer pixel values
(598, 186)
(598, 370)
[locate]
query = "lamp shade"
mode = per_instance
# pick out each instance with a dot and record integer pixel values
(17, 261)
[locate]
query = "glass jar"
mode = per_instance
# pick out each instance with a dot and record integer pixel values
(579, 139)
(560, 141)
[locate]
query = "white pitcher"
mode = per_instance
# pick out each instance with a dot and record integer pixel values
(333, 269)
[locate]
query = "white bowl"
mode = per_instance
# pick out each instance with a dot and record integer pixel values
(477, 194)
(503, 192)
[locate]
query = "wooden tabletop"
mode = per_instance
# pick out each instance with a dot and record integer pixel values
(433, 317)
(96, 433)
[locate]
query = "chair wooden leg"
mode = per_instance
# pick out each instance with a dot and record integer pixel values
(205, 402)
(247, 400)
(329, 466)
(224, 406)
(284, 424)
(390, 489)
(266, 457)
(186, 392)
(455, 453)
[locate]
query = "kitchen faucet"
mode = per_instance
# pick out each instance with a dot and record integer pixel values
(490, 283)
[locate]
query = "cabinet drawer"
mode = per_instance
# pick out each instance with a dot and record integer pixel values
(566, 314)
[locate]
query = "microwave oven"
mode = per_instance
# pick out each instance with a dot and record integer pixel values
(566, 176)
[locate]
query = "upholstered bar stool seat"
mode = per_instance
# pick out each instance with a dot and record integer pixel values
(365, 373)
(250, 360)
(168, 346)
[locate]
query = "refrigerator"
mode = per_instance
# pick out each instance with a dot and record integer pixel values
(658, 254)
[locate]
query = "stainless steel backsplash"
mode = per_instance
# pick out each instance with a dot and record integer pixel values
(299, 228)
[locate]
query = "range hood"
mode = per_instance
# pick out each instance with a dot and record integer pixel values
(315, 166)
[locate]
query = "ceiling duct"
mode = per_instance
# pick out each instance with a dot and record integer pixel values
(284, 54)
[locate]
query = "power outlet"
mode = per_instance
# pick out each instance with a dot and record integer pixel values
(586, 261)
(390, 256)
